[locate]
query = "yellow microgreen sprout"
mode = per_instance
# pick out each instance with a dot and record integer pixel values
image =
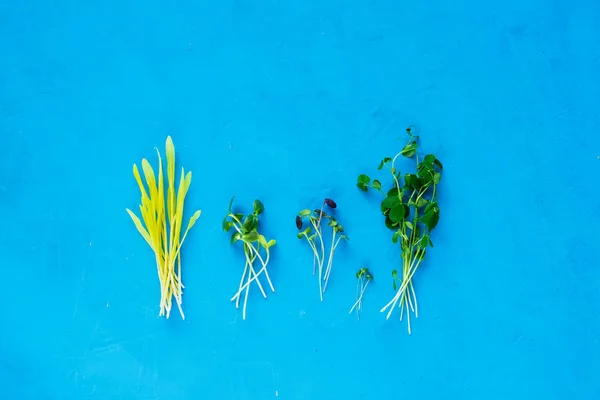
(162, 224)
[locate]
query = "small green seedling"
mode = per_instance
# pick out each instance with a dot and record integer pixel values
(363, 277)
(411, 210)
(316, 219)
(247, 233)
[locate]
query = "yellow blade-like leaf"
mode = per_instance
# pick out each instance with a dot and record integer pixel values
(150, 179)
(161, 184)
(192, 222)
(136, 173)
(140, 227)
(181, 192)
(193, 219)
(170, 150)
(160, 198)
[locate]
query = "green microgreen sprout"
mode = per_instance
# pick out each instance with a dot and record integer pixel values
(363, 277)
(316, 242)
(411, 210)
(246, 231)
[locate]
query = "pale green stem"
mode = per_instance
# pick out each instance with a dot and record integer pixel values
(318, 232)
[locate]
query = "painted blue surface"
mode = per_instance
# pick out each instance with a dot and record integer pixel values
(289, 102)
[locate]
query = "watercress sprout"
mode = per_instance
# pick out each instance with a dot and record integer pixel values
(245, 230)
(411, 211)
(163, 224)
(314, 236)
(363, 277)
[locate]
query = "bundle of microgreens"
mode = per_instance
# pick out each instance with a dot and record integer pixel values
(163, 224)
(316, 219)
(363, 277)
(411, 210)
(247, 233)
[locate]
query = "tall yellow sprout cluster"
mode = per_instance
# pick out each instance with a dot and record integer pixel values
(164, 241)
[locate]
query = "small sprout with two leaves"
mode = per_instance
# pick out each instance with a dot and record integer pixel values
(363, 277)
(314, 236)
(246, 231)
(411, 211)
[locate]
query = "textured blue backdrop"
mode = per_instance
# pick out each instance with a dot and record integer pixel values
(289, 101)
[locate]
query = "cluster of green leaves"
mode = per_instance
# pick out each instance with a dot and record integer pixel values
(313, 233)
(412, 212)
(245, 230)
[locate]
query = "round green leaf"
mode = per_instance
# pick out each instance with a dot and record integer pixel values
(258, 207)
(422, 202)
(433, 221)
(389, 224)
(304, 213)
(394, 192)
(362, 178)
(263, 241)
(409, 150)
(227, 225)
(397, 213)
(390, 201)
(250, 237)
(250, 223)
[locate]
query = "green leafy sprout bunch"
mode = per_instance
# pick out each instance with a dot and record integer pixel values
(411, 211)
(314, 236)
(245, 230)
(363, 277)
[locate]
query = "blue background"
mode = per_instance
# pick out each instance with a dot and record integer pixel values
(289, 101)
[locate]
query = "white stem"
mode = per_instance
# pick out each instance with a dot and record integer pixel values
(408, 321)
(410, 303)
(403, 285)
(245, 302)
(414, 295)
(240, 287)
(315, 254)
(402, 304)
(246, 244)
(318, 232)
(360, 297)
(330, 261)
(264, 264)
(392, 302)
(328, 271)
(255, 277)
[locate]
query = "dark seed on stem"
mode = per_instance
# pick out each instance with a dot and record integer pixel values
(298, 222)
(330, 203)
